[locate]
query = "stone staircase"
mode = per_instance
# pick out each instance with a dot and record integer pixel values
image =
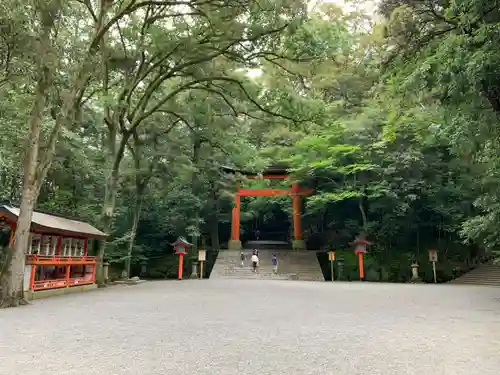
(292, 265)
(484, 274)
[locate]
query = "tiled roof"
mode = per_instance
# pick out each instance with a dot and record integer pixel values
(47, 222)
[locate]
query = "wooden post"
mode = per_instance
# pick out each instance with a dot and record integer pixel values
(68, 274)
(12, 234)
(59, 245)
(202, 256)
(86, 247)
(53, 250)
(47, 246)
(39, 245)
(433, 257)
(32, 277)
(93, 273)
(361, 266)
(331, 258)
(181, 265)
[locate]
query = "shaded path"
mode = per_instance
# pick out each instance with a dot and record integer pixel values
(257, 327)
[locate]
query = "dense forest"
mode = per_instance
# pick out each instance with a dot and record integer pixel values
(121, 113)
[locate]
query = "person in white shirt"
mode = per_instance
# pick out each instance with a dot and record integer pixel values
(255, 262)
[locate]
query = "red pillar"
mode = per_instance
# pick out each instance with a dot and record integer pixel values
(296, 213)
(298, 238)
(181, 266)
(32, 277)
(361, 266)
(235, 217)
(68, 274)
(360, 249)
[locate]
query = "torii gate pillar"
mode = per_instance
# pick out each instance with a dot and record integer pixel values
(234, 242)
(298, 242)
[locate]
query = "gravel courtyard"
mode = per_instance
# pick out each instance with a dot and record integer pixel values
(232, 327)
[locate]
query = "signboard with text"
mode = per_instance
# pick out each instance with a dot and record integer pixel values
(202, 255)
(433, 255)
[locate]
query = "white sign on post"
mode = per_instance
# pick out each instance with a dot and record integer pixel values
(433, 257)
(202, 255)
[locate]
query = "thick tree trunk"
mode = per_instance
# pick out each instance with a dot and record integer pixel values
(13, 275)
(108, 210)
(109, 204)
(12, 289)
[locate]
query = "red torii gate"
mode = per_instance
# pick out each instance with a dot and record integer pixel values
(295, 192)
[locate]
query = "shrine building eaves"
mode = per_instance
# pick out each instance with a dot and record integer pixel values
(272, 170)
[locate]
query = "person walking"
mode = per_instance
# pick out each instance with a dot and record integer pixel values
(255, 262)
(256, 252)
(275, 263)
(242, 258)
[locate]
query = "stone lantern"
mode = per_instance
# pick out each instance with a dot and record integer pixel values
(340, 268)
(414, 272)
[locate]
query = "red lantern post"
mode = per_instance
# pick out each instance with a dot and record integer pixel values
(360, 250)
(180, 246)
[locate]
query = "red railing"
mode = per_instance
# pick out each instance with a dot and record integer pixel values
(60, 283)
(59, 260)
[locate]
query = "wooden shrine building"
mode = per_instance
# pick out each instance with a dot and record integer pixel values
(275, 172)
(57, 257)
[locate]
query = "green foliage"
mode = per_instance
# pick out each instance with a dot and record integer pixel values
(394, 125)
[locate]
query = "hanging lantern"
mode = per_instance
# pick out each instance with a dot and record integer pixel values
(181, 246)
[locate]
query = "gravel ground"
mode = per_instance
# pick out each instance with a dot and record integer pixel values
(231, 327)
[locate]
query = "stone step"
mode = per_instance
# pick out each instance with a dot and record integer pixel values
(486, 274)
(292, 265)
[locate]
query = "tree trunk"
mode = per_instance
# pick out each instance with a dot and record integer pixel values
(13, 274)
(109, 204)
(12, 277)
(133, 231)
(363, 217)
(214, 219)
(195, 190)
(108, 210)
